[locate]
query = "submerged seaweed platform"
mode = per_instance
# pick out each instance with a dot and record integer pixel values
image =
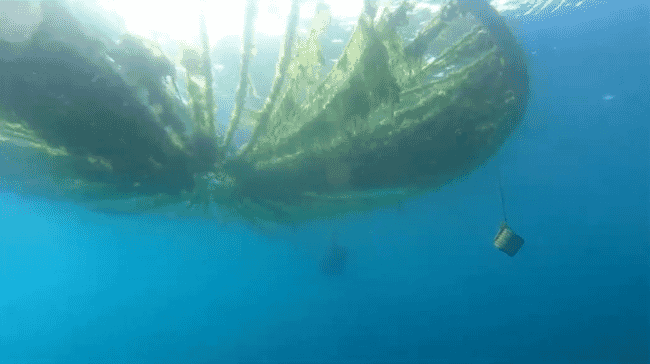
(109, 125)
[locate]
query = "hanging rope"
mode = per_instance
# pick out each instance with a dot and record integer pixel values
(503, 203)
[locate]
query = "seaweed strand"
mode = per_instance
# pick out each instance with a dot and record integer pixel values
(207, 73)
(247, 54)
(280, 71)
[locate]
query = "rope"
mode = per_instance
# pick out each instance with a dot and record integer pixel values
(503, 203)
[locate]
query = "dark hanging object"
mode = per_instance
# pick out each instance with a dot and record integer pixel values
(333, 264)
(507, 241)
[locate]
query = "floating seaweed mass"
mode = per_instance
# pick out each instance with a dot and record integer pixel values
(107, 124)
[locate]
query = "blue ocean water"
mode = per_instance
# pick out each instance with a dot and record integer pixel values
(422, 281)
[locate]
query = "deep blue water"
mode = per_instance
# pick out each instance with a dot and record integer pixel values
(423, 283)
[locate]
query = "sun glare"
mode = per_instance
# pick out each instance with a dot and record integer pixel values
(180, 21)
